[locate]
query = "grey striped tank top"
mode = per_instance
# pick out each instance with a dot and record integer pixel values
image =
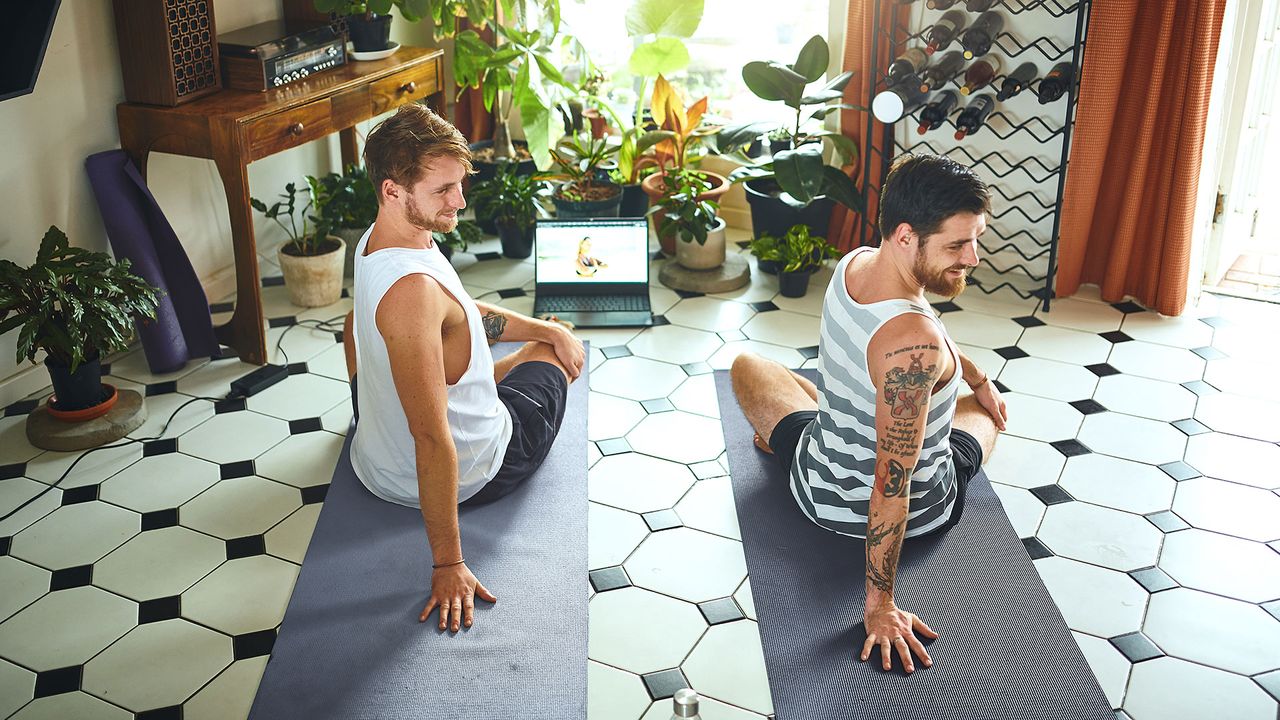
(833, 472)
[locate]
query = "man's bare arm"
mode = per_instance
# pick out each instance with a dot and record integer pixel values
(511, 326)
(984, 390)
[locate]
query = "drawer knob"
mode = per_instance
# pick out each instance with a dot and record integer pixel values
(410, 87)
(296, 128)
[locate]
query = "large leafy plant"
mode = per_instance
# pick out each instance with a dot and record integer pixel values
(683, 124)
(345, 201)
(686, 217)
(73, 303)
(412, 10)
(660, 26)
(510, 198)
(580, 159)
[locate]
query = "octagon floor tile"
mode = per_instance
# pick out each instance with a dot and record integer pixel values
(1158, 362)
(688, 564)
(1116, 483)
(1037, 418)
(1248, 416)
(230, 695)
(1134, 438)
(638, 483)
(159, 482)
(1025, 510)
(611, 417)
(95, 468)
(678, 436)
(1227, 634)
(1229, 508)
(612, 535)
(637, 378)
(23, 584)
(66, 628)
(217, 600)
(240, 506)
(1049, 379)
(1069, 346)
(161, 409)
(728, 664)
(980, 330)
(723, 358)
(234, 436)
(175, 656)
(783, 328)
(709, 313)
(674, 344)
(76, 535)
(71, 705)
(642, 631)
(301, 460)
(1240, 376)
(1093, 600)
(1144, 397)
(709, 506)
(697, 395)
(1222, 565)
(289, 539)
(1184, 332)
(17, 491)
(1024, 463)
(1237, 459)
(301, 396)
(1171, 689)
(17, 685)
(1100, 536)
(1082, 315)
(708, 709)
(159, 563)
(1108, 665)
(614, 693)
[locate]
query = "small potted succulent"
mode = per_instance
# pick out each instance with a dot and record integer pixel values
(588, 191)
(511, 201)
(801, 254)
(312, 259)
(348, 204)
(691, 222)
(369, 21)
(78, 306)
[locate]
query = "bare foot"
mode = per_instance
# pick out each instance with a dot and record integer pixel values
(760, 443)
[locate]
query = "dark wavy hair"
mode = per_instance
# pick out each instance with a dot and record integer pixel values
(401, 146)
(924, 190)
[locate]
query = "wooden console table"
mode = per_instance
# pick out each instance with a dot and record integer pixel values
(234, 127)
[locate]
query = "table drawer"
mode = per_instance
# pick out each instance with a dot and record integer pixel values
(283, 130)
(408, 85)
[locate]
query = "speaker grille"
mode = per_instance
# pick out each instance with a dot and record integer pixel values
(191, 42)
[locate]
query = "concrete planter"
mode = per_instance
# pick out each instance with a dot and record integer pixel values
(314, 280)
(706, 256)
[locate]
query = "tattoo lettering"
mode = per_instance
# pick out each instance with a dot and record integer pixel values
(495, 324)
(893, 478)
(899, 351)
(900, 438)
(906, 391)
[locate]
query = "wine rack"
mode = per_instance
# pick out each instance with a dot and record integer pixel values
(1022, 150)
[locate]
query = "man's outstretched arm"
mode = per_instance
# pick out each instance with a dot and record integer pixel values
(510, 326)
(905, 366)
(984, 390)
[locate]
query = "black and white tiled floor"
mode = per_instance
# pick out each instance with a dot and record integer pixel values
(1142, 469)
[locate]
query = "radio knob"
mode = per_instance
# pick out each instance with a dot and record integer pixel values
(305, 72)
(409, 88)
(296, 129)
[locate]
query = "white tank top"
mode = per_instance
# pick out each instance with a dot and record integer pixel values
(382, 449)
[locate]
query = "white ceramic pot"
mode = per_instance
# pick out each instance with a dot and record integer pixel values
(314, 280)
(706, 256)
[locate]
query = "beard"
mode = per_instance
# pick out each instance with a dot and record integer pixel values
(939, 282)
(415, 217)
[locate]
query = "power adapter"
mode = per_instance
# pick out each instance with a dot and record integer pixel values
(258, 380)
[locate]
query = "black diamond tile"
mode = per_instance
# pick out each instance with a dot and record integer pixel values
(162, 388)
(159, 447)
(1200, 387)
(616, 351)
(22, 407)
(298, 368)
(247, 546)
(158, 519)
(222, 307)
(696, 368)
(660, 320)
(719, 611)
(657, 406)
(610, 578)
(1029, 321)
(1128, 307)
(71, 577)
(482, 257)
(1190, 426)
(314, 494)
(5, 543)
(1215, 321)
(1102, 369)
(765, 306)
(173, 712)
(226, 406)
(305, 425)
(273, 281)
(1001, 386)
(1035, 548)
(946, 306)
(1012, 352)
(1088, 407)
(1070, 447)
(1180, 471)
(1052, 494)
(240, 468)
(1153, 579)
(1270, 682)
(1115, 336)
(511, 292)
(1272, 607)
(1137, 647)
(1209, 353)
(57, 682)
(345, 293)
(662, 520)
(165, 608)
(686, 294)
(613, 446)
(664, 683)
(808, 353)
(1167, 521)
(285, 321)
(77, 495)
(254, 644)
(337, 336)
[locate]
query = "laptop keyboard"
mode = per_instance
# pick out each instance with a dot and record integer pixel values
(593, 303)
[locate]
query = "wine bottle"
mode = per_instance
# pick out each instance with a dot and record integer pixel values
(981, 35)
(1017, 81)
(940, 4)
(935, 113)
(980, 74)
(1055, 84)
(977, 6)
(939, 73)
(945, 31)
(893, 104)
(909, 64)
(973, 117)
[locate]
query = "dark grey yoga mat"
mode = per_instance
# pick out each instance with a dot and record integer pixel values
(1005, 652)
(351, 647)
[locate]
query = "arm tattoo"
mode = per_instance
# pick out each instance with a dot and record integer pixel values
(883, 576)
(877, 534)
(894, 481)
(906, 391)
(495, 324)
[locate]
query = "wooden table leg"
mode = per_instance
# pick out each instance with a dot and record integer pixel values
(350, 145)
(244, 332)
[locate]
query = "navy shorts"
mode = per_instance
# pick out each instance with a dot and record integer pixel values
(966, 456)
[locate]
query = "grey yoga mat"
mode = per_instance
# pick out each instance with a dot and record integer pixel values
(1005, 652)
(351, 647)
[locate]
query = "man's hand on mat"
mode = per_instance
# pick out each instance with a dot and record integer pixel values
(454, 589)
(893, 628)
(568, 348)
(989, 398)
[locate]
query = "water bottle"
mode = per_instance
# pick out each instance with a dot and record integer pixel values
(684, 705)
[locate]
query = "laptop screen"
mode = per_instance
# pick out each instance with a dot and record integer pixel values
(592, 251)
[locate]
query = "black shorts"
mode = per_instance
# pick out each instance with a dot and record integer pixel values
(966, 455)
(534, 394)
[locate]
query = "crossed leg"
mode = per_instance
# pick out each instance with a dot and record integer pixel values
(529, 352)
(768, 392)
(974, 419)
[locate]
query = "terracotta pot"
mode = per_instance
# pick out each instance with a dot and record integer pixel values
(84, 414)
(654, 188)
(314, 280)
(706, 256)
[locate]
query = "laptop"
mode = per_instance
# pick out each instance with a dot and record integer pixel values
(593, 272)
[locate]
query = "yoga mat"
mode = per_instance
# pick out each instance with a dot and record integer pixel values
(1005, 652)
(351, 647)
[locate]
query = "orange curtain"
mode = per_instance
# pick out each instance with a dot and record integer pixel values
(861, 26)
(1131, 187)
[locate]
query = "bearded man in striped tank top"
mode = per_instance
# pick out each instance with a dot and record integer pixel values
(883, 446)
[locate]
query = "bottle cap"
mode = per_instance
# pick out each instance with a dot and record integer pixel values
(968, 54)
(924, 127)
(964, 90)
(924, 87)
(684, 704)
(888, 107)
(930, 49)
(960, 134)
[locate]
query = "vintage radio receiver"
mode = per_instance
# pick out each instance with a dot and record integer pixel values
(265, 56)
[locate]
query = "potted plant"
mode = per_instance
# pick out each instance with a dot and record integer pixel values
(78, 306)
(348, 205)
(768, 251)
(369, 21)
(512, 200)
(801, 254)
(312, 259)
(795, 185)
(588, 190)
(692, 223)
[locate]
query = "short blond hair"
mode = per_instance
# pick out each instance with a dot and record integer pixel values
(400, 147)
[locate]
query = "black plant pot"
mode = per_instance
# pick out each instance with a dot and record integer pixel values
(769, 267)
(517, 240)
(635, 202)
(777, 146)
(794, 284)
(369, 34)
(588, 208)
(771, 216)
(79, 390)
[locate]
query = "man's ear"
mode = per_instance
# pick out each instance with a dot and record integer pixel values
(390, 190)
(903, 236)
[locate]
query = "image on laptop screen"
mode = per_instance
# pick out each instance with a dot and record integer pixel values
(593, 253)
